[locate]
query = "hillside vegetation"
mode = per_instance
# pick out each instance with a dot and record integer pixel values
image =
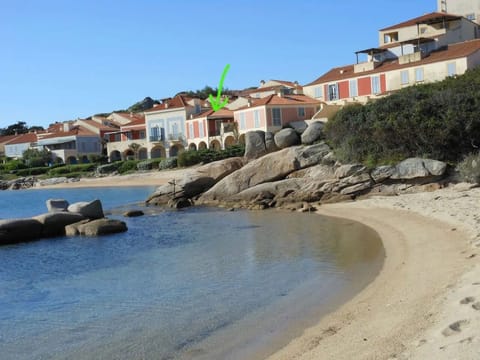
(439, 121)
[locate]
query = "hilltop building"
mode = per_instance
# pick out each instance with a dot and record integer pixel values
(469, 9)
(420, 50)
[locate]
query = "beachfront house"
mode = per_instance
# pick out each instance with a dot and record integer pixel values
(424, 49)
(71, 143)
(272, 87)
(273, 112)
(211, 129)
(130, 141)
(15, 147)
(166, 125)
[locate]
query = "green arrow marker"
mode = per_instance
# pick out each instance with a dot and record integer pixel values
(217, 104)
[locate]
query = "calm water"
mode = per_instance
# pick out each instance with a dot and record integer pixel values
(201, 283)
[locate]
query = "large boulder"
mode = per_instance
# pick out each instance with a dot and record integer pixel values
(413, 168)
(312, 133)
(286, 138)
(195, 181)
(91, 210)
(255, 144)
(273, 188)
(18, 230)
(102, 227)
(54, 222)
(270, 142)
(54, 205)
(349, 170)
(271, 167)
(382, 173)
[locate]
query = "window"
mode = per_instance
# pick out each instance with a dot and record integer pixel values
(376, 85)
(142, 134)
(276, 117)
(319, 92)
(190, 131)
(333, 92)
(243, 125)
(256, 115)
(353, 88)
(117, 137)
(470, 17)
(452, 69)
(201, 131)
(404, 77)
(155, 131)
(198, 108)
(175, 132)
(301, 112)
(419, 74)
(129, 135)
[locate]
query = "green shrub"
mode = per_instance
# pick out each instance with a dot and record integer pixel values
(32, 171)
(469, 168)
(148, 164)
(97, 159)
(109, 168)
(169, 163)
(15, 165)
(36, 162)
(188, 158)
(66, 169)
(128, 165)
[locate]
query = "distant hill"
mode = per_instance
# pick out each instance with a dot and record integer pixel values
(143, 105)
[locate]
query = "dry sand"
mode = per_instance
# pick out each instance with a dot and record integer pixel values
(148, 178)
(425, 303)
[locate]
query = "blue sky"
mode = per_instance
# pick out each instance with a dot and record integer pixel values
(65, 59)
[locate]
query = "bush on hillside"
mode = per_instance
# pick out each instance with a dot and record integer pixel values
(192, 157)
(169, 163)
(63, 170)
(127, 166)
(108, 168)
(469, 168)
(148, 164)
(32, 171)
(15, 165)
(438, 120)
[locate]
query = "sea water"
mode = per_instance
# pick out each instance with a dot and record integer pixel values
(201, 283)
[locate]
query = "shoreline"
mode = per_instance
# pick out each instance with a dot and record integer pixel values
(412, 309)
(409, 310)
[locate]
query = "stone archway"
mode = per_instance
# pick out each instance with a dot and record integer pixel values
(229, 141)
(142, 154)
(129, 154)
(158, 152)
(192, 146)
(215, 145)
(71, 160)
(241, 139)
(115, 155)
(175, 150)
(202, 145)
(84, 159)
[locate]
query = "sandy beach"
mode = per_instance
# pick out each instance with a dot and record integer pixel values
(425, 303)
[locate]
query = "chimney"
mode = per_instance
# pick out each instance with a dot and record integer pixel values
(191, 116)
(249, 102)
(262, 82)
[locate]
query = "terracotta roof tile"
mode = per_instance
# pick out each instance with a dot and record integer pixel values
(452, 52)
(23, 138)
(179, 101)
(423, 19)
(212, 114)
(282, 100)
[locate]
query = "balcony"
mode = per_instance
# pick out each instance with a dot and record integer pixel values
(409, 58)
(156, 138)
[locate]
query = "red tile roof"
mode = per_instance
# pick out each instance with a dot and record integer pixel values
(179, 101)
(282, 100)
(212, 114)
(6, 138)
(424, 19)
(454, 51)
(77, 131)
(23, 138)
(98, 125)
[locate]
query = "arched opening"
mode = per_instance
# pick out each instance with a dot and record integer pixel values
(158, 152)
(71, 160)
(229, 141)
(241, 139)
(175, 150)
(58, 160)
(142, 154)
(192, 146)
(129, 154)
(84, 159)
(202, 146)
(115, 156)
(215, 145)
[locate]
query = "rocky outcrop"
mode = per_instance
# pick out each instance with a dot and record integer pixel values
(102, 227)
(19, 230)
(195, 182)
(270, 142)
(255, 144)
(271, 167)
(314, 132)
(286, 138)
(53, 223)
(91, 210)
(54, 205)
(413, 168)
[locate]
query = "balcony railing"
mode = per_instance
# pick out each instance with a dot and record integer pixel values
(156, 138)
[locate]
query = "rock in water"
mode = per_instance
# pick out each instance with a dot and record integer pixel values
(286, 138)
(314, 132)
(54, 222)
(18, 230)
(54, 205)
(91, 210)
(102, 227)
